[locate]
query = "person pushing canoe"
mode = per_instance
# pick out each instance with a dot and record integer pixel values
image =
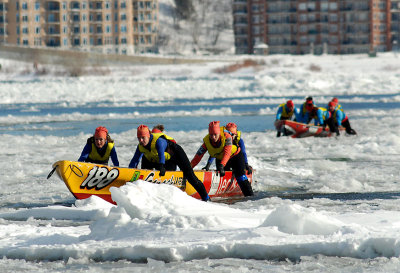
(163, 154)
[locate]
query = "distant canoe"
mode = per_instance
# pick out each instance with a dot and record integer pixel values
(301, 130)
(86, 179)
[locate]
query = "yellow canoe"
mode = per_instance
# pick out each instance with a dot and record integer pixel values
(86, 179)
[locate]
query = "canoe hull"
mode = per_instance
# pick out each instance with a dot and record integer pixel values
(301, 130)
(86, 179)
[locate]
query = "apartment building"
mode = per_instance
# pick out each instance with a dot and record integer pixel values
(323, 26)
(108, 26)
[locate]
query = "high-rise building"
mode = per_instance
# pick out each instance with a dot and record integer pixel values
(309, 26)
(108, 26)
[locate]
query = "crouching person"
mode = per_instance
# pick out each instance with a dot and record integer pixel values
(163, 154)
(219, 144)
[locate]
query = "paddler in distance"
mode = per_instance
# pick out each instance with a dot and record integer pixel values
(285, 112)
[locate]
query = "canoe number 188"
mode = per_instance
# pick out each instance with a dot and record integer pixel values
(99, 177)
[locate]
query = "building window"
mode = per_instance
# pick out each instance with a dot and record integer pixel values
(37, 30)
(76, 30)
(37, 18)
(123, 41)
(65, 18)
(108, 29)
(123, 17)
(123, 29)
(65, 41)
(37, 5)
(108, 17)
(99, 29)
(75, 18)
(75, 5)
(99, 41)
(108, 5)
(123, 5)
(24, 5)
(25, 30)
(65, 30)
(333, 6)
(84, 5)
(85, 41)
(25, 42)
(24, 18)
(84, 17)
(84, 30)
(64, 5)
(76, 41)
(141, 28)
(116, 29)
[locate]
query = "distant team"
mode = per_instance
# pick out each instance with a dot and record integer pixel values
(332, 116)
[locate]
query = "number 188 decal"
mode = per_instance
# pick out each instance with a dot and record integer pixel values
(99, 177)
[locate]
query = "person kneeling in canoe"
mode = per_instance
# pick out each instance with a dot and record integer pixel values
(219, 144)
(285, 112)
(99, 148)
(163, 154)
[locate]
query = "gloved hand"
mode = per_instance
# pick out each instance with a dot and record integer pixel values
(249, 168)
(162, 170)
(220, 169)
(207, 167)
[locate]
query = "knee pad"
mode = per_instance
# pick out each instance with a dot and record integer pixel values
(241, 178)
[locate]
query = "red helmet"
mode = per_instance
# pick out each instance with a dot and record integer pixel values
(231, 127)
(331, 104)
(142, 131)
(101, 132)
(290, 104)
(214, 127)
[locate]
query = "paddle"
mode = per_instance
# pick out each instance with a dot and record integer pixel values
(52, 171)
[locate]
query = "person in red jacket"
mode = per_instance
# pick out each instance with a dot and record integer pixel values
(219, 144)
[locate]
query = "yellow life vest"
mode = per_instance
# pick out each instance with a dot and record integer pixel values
(152, 154)
(286, 114)
(304, 109)
(218, 152)
(95, 157)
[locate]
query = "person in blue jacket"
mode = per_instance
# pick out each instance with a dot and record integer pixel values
(99, 148)
(286, 111)
(304, 111)
(338, 117)
(319, 114)
(164, 154)
(231, 127)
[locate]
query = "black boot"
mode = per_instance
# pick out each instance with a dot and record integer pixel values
(245, 186)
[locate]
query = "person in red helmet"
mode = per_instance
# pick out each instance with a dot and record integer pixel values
(285, 112)
(219, 144)
(99, 148)
(337, 118)
(336, 103)
(231, 127)
(164, 154)
(304, 112)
